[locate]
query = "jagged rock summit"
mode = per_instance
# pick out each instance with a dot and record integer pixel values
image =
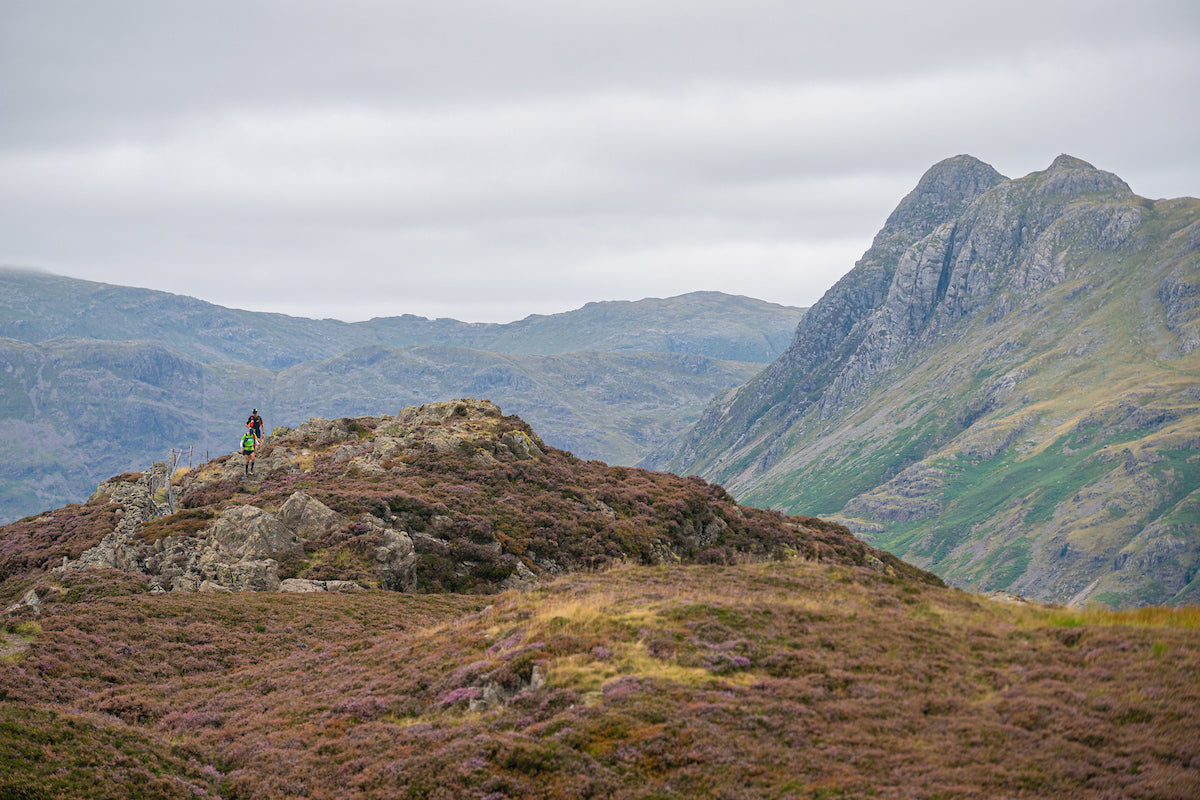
(1003, 389)
(449, 496)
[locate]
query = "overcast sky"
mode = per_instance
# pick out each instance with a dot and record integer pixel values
(489, 160)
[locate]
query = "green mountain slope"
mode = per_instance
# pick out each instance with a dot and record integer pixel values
(1018, 409)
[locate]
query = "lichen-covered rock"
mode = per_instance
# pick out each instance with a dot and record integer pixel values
(247, 532)
(303, 585)
(396, 559)
(28, 600)
(308, 517)
(255, 575)
(520, 445)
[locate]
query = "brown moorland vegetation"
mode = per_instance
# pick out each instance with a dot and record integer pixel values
(784, 679)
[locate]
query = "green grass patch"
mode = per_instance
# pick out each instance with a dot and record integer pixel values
(1180, 470)
(1186, 618)
(1005, 564)
(829, 487)
(977, 492)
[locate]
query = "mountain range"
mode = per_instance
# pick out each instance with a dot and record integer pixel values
(98, 379)
(1004, 390)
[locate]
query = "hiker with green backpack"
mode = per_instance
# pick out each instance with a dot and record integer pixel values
(249, 445)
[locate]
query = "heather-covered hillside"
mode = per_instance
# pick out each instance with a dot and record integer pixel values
(780, 679)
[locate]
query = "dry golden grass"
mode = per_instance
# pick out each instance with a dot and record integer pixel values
(1187, 617)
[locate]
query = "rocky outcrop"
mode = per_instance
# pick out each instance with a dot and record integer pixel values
(247, 533)
(304, 586)
(308, 518)
(249, 548)
(240, 550)
(117, 549)
(913, 494)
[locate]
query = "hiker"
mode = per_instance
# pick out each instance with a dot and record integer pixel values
(255, 424)
(249, 444)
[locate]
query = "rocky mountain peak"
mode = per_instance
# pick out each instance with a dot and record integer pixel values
(987, 243)
(1068, 175)
(943, 192)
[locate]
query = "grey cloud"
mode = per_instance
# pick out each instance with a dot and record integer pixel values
(487, 160)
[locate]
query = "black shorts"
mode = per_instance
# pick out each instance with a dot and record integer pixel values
(247, 452)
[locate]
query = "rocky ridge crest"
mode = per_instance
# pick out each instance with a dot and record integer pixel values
(450, 496)
(242, 547)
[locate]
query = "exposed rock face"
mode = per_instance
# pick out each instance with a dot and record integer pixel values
(117, 549)
(395, 558)
(239, 551)
(28, 600)
(246, 533)
(1013, 239)
(832, 331)
(1011, 334)
(307, 517)
(303, 585)
(243, 548)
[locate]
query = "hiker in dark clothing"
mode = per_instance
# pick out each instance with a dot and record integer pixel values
(249, 445)
(255, 423)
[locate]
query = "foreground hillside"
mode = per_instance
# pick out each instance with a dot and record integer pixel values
(98, 379)
(780, 679)
(1003, 390)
